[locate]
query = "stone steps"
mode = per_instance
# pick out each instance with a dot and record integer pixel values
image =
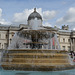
(31, 56)
(34, 59)
(24, 60)
(35, 55)
(35, 50)
(37, 64)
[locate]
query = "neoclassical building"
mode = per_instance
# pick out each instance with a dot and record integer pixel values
(65, 36)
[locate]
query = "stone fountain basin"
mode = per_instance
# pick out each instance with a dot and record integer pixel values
(36, 60)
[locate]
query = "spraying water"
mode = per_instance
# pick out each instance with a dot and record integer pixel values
(38, 39)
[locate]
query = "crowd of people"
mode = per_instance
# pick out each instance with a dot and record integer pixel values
(72, 53)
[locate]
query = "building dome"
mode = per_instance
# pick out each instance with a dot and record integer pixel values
(34, 15)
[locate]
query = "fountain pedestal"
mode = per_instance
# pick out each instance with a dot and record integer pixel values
(36, 60)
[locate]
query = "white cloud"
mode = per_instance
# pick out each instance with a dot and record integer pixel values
(23, 16)
(0, 12)
(47, 24)
(47, 15)
(73, 28)
(69, 18)
(2, 21)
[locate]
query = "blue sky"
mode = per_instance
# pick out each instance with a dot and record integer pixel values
(60, 7)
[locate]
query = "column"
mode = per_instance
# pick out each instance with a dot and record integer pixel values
(51, 39)
(74, 44)
(71, 44)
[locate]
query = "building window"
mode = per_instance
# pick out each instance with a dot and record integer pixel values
(10, 41)
(0, 36)
(69, 48)
(63, 47)
(12, 35)
(6, 36)
(63, 39)
(0, 45)
(68, 40)
(5, 45)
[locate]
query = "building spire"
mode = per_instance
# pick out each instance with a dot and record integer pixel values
(34, 9)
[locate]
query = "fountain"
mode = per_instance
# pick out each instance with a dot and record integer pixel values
(35, 49)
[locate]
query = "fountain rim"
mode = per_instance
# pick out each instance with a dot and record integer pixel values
(39, 50)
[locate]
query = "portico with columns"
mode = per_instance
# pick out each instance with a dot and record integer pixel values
(73, 41)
